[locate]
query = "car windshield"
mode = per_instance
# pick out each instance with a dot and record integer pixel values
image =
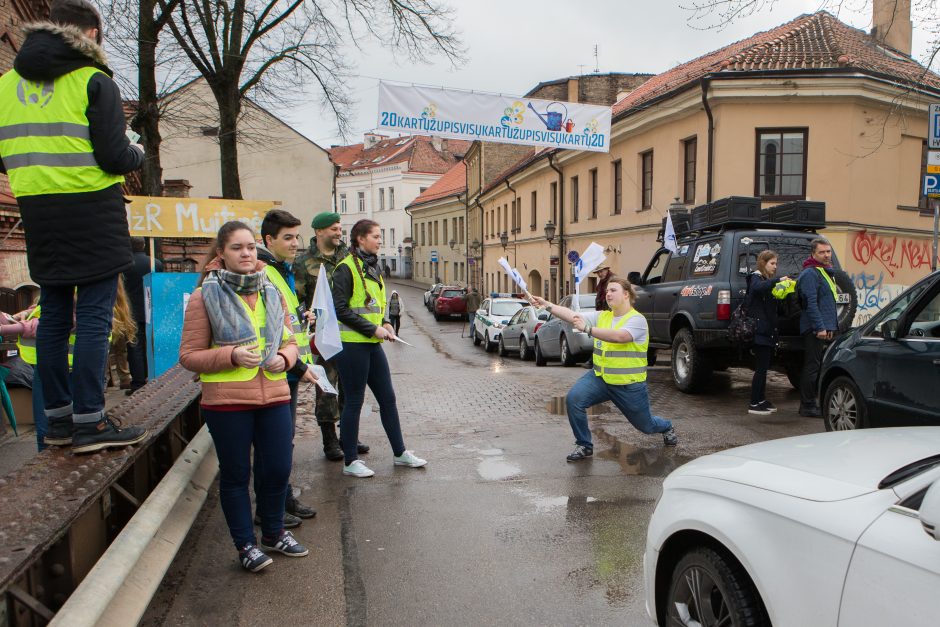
(451, 293)
(506, 308)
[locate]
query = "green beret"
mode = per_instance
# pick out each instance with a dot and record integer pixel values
(324, 220)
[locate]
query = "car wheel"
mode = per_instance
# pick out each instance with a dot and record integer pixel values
(844, 406)
(690, 368)
(709, 589)
(567, 359)
(539, 357)
(487, 343)
(524, 354)
(476, 337)
(437, 316)
(501, 350)
(794, 372)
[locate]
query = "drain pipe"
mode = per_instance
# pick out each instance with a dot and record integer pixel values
(515, 210)
(560, 226)
(711, 138)
(119, 588)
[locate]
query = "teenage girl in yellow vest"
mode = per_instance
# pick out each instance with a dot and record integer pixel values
(25, 325)
(621, 340)
(359, 298)
(236, 336)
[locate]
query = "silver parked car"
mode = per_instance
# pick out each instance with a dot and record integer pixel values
(519, 335)
(557, 339)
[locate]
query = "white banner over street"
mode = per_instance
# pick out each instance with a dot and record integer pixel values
(487, 117)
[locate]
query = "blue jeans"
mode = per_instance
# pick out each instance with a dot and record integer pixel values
(270, 431)
(39, 411)
(361, 364)
(632, 400)
(293, 384)
(81, 395)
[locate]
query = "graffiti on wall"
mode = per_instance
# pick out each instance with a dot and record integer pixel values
(873, 294)
(890, 254)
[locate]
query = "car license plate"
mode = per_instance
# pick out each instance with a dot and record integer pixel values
(843, 299)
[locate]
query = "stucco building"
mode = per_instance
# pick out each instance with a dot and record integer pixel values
(378, 178)
(438, 219)
(813, 109)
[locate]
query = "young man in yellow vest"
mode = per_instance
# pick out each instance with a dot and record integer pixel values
(280, 231)
(819, 319)
(63, 145)
(621, 341)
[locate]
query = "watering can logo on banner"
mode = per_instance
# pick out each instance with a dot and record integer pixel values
(493, 117)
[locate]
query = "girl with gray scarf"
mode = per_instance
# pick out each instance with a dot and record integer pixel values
(236, 335)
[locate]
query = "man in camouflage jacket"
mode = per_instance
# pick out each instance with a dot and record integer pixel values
(326, 249)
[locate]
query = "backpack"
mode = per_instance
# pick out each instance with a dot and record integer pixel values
(743, 327)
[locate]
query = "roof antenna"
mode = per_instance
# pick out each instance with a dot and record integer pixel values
(597, 69)
(581, 69)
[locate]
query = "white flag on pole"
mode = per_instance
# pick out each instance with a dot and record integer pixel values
(669, 235)
(592, 257)
(513, 274)
(327, 340)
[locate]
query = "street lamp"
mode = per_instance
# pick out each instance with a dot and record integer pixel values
(452, 243)
(550, 231)
(504, 240)
(475, 247)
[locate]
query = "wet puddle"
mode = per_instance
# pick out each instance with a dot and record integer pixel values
(557, 406)
(653, 461)
(497, 469)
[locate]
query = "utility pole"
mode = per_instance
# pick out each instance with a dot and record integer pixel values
(597, 67)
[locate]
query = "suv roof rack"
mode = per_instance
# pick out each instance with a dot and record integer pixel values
(746, 212)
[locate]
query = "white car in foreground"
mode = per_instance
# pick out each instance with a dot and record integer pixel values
(829, 529)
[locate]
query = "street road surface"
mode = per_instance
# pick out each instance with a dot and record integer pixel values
(498, 529)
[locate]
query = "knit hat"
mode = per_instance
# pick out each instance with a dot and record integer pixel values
(325, 220)
(80, 13)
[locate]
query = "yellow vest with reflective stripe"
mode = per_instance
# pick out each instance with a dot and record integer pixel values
(783, 288)
(619, 364)
(258, 319)
(27, 346)
(300, 335)
(45, 141)
(832, 285)
(374, 311)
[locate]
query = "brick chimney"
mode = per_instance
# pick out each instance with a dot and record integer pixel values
(176, 188)
(891, 24)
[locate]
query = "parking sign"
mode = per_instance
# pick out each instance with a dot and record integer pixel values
(932, 185)
(933, 130)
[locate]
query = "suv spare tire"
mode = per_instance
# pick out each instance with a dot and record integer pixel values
(846, 311)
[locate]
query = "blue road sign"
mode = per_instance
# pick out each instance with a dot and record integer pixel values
(433, 256)
(933, 127)
(932, 185)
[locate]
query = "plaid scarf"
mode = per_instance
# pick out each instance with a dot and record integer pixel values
(230, 322)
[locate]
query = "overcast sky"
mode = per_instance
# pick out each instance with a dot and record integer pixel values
(513, 46)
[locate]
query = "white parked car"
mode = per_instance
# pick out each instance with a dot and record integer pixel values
(829, 529)
(491, 317)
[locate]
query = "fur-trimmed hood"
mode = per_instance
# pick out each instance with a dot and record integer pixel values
(53, 50)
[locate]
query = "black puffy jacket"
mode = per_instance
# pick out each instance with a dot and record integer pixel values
(762, 305)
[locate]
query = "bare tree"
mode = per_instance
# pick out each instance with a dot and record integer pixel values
(273, 50)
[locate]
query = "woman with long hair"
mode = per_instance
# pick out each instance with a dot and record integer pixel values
(621, 341)
(236, 335)
(762, 305)
(359, 298)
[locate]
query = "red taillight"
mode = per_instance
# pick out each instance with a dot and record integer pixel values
(536, 329)
(723, 312)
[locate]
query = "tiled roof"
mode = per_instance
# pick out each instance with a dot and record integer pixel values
(453, 182)
(810, 42)
(417, 151)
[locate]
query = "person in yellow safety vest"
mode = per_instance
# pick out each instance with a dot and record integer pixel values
(236, 335)
(64, 148)
(819, 320)
(280, 232)
(763, 292)
(359, 299)
(621, 342)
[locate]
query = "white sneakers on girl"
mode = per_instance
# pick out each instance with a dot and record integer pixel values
(357, 469)
(410, 459)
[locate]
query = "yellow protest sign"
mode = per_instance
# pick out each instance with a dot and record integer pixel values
(152, 216)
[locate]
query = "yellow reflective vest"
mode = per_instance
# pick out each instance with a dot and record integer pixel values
(368, 300)
(297, 327)
(45, 139)
(619, 364)
(27, 346)
(258, 319)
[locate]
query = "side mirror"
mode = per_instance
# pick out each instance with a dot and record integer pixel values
(481, 312)
(889, 330)
(504, 322)
(635, 277)
(930, 511)
(543, 316)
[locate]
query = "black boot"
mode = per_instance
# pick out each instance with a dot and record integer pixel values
(296, 508)
(60, 431)
(331, 447)
(89, 437)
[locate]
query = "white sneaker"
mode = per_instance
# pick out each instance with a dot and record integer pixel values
(410, 459)
(357, 469)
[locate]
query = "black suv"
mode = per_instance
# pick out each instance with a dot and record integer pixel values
(688, 296)
(885, 373)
